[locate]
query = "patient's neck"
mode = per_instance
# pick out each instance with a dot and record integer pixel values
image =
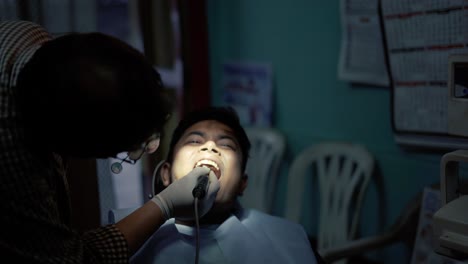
(213, 217)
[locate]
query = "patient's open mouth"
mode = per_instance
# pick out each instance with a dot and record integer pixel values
(211, 165)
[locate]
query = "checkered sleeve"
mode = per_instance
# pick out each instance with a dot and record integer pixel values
(109, 244)
(34, 197)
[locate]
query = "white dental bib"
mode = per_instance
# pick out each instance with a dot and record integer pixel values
(248, 236)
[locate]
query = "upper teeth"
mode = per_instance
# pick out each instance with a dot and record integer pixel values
(207, 162)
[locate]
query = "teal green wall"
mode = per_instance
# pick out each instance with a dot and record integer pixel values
(301, 39)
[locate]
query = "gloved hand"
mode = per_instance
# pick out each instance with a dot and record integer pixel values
(177, 199)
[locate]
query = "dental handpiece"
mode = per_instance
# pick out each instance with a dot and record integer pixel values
(201, 188)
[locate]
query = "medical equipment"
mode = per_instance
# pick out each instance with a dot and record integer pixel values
(451, 220)
(200, 189)
(199, 192)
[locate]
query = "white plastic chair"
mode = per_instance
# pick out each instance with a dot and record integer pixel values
(342, 172)
(268, 146)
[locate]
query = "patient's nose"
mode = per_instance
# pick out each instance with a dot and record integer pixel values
(209, 146)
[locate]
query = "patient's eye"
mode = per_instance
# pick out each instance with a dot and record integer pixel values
(194, 140)
(227, 143)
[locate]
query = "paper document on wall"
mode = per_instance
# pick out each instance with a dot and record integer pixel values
(420, 37)
(362, 57)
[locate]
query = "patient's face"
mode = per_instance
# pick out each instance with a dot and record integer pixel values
(212, 144)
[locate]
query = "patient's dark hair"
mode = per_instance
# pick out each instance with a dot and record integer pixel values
(225, 115)
(90, 95)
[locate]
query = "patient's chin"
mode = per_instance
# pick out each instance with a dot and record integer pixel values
(220, 207)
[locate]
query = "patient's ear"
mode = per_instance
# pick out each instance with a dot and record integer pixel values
(243, 184)
(166, 174)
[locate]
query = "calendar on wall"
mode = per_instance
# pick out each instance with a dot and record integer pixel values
(419, 38)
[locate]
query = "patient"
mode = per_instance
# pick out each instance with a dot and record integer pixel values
(213, 137)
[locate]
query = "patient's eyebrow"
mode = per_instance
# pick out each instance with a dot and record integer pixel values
(195, 132)
(226, 134)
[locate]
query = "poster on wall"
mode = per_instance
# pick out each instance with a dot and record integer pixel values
(248, 89)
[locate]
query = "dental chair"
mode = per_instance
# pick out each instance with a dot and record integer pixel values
(268, 146)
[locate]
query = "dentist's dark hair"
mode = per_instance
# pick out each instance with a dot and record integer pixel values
(90, 95)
